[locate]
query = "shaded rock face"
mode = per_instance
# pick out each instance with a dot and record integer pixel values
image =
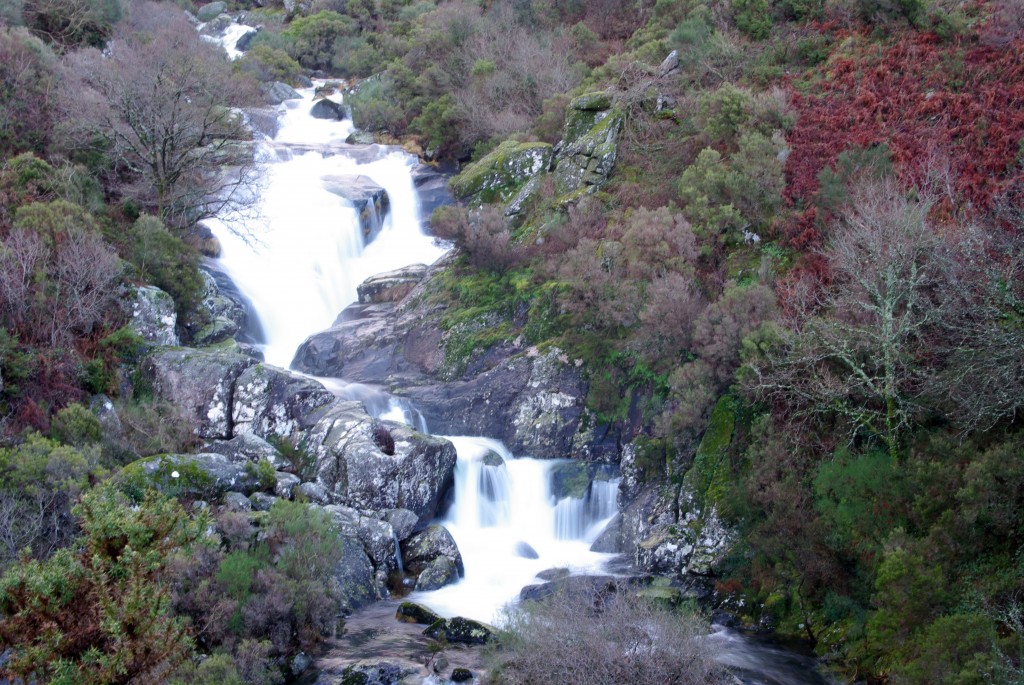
(424, 548)
(586, 155)
(666, 531)
(230, 313)
(153, 316)
(369, 199)
(533, 401)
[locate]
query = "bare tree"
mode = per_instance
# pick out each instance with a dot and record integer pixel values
(858, 347)
(56, 285)
(159, 102)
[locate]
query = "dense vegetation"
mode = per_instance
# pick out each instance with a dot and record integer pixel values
(812, 233)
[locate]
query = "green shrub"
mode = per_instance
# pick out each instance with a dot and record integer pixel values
(314, 39)
(753, 17)
(267, 63)
(76, 425)
(168, 262)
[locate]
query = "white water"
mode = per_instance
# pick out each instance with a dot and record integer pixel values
(498, 508)
(300, 268)
(305, 255)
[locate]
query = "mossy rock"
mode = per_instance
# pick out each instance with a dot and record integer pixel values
(464, 630)
(585, 162)
(497, 177)
(411, 612)
(583, 113)
(709, 474)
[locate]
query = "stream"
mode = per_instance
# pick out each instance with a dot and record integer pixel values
(299, 266)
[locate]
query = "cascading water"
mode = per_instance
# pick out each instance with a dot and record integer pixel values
(509, 528)
(301, 260)
(300, 268)
(300, 264)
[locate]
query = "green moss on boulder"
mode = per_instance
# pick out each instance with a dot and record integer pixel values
(502, 172)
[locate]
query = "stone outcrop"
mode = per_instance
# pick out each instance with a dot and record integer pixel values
(391, 286)
(211, 10)
(227, 394)
(530, 399)
(586, 155)
(370, 200)
(228, 313)
(153, 315)
(501, 172)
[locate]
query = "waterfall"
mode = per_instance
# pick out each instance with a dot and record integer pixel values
(503, 507)
(299, 264)
(300, 261)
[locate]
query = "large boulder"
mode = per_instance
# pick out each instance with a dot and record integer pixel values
(277, 92)
(230, 313)
(211, 10)
(199, 382)
(153, 315)
(462, 630)
(423, 548)
(205, 475)
(587, 153)
(501, 172)
(355, 576)
(391, 286)
(325, 108)
(370, 200)
(377, 465)
(271, 401)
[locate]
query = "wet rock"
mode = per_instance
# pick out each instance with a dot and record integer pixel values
(368, 672)
(402, 521)
(390, 286)
(327, 109)
(462, 630)
(554, 574)
(573, 479)
(154, 316)
(525, 551)
(492, 458)
(421, 549)
(370, 199)
(242, 44)
(353, 467)
(277, 92)
(230, 312)
(410, 612)
(435, 575)
(461, 675)
(360, 138)
(199, 382)
(432, 188)
(610, 539)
